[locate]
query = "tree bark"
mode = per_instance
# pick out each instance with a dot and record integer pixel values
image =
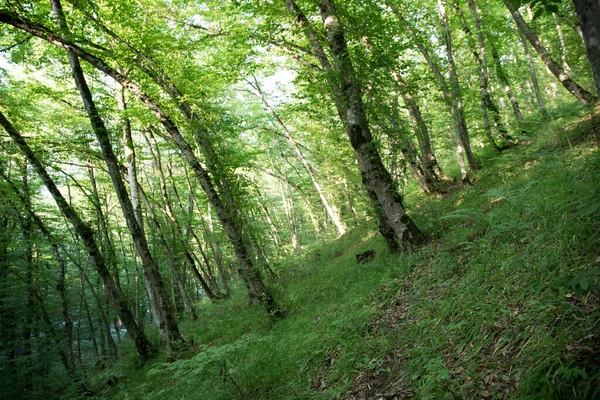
(459, 124)
(588, 12)
(341, 106)
(376, 177)
(166, 323)
(479, 55)
(463, 134)
(573, 87)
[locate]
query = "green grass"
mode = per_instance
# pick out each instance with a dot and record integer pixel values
(503, 302)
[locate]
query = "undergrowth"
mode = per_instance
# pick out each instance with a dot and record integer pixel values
(503, 302)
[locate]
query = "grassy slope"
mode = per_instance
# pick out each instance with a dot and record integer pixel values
(503, 302)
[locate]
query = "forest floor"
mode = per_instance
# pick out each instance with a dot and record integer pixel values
(503, 302)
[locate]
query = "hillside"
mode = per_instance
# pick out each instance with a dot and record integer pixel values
(502, 302)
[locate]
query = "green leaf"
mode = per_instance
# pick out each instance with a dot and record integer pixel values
(589, 208)
(584, 283)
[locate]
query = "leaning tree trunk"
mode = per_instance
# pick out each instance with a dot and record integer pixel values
(338, 97)
(143, 346)
(376, 177)
(588, 12)
(166, 322)
(456, 92)
(557, 70)
(460, 127)
(69, 359)
(436, 178)
(479, 55)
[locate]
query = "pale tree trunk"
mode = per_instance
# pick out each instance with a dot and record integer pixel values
(460, 127)
(288, 202)
(169, 213)
(506, 85)
(480, 57)
(534, 80)
(573, 87)
(216, 250)
(274, 231)
(433, 177)
(331, 211)
(222, 198)
(248, 270)
(588, 12)
(130, 159)
(142, 344)
(189, 307)
(561, 44)
(456, 92)
(106, 244)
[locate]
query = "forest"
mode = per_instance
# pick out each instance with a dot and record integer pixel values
(299, 199)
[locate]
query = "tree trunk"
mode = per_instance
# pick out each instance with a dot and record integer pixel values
(189, 307)
(376, 177)
(588, 12)
(479, 55)
(463, 134)
(573, 87)
(459, 125)
(167, 324)
(67, 352)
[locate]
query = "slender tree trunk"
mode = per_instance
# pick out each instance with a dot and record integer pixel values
(456, 92)
(288, 202)
(573, 87)
(588, 12)
(460, 126)
(170, 260)
(143, 346)
(367, 151)
(130, 159)
(331, 211)
(561, 44)
(216, 250)
(167, 324)
(480, 57)
(506, 85)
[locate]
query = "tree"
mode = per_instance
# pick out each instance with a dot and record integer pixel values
(588, 12)
(395, 225)
(557, 70)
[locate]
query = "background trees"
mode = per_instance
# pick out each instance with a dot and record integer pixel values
(217, 138)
